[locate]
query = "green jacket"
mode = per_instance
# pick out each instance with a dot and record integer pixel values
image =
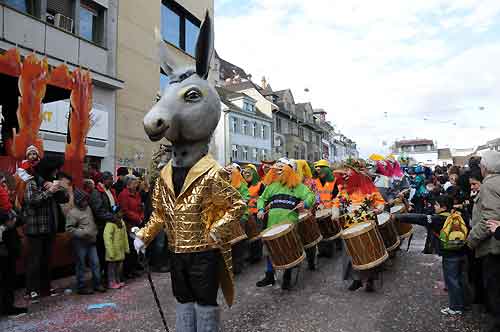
(282, 200)
(485, 208)
(116, 242)
(245, 194)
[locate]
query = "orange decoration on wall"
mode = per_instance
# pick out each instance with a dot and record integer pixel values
(78, 124)
(32, 86)
(60, 76)
(10, 63)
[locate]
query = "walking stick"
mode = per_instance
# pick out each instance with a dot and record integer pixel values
(145, 264)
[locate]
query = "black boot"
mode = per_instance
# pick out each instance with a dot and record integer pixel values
(268, 280)
(356, 284)
(370, 288)
(287, 277)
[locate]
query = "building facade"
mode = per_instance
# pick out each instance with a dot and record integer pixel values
(78, 33)
(244, 133)
(138, 64)
(422, 151)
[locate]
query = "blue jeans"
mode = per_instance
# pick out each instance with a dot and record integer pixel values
(453, 269)
(83, 250)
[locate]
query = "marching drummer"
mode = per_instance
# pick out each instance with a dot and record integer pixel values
(255, 188)
(326, 184)
(239, 249)
(285, 197)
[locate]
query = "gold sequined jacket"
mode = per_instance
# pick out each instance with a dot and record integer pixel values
(206, 204)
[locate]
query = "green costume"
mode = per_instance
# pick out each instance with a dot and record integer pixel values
(245, 194)
(282, 200)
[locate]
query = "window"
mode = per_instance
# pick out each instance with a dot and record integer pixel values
(234, 125)
(264, 133)
(179, 27)
(301, 132)
(310, 136)
(296, 153)
(245, 153)
(254, 129)
(302, 152)
(25, 6)
(248, 107)
(164, 80)
(244, 127)
(318, 139)
(91, 22)
(234, 149)
(255, 154)
(263, 154)
(278, 125)
(279, 142)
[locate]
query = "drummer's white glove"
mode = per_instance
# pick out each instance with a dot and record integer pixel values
(261, 214)
(139, 245)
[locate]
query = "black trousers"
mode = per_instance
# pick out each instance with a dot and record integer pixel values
(195, 277)
(38, 276)
(131, 263)
(491, 273)
(239, 253)
(7, 283)
(326, 249)
(101, 253)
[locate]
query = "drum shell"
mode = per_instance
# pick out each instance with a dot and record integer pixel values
(329, 228)
(253, 228)
(389, 235)
(238, 234)
(309, 231)
(285, 248)
(366, 247)
(404, 230)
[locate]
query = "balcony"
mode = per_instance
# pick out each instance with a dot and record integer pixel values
(36, 35)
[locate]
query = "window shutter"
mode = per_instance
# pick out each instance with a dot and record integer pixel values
(63, 7)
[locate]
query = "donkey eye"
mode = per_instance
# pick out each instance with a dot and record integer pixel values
(192, 95)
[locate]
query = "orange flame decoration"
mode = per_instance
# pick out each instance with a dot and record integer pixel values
(32, 86)
(78, 124)
(10, 63)
(61, 77)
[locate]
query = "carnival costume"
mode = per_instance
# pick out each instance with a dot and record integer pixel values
(192, 201)
(255, 189)
(282, 197)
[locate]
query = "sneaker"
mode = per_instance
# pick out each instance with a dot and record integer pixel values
(122, 284)
(450, 312)
(34, 297)
(53, 292)
(356, 284)
(16, 312)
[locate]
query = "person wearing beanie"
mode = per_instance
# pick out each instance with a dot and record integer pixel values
(481, 238)
(120, 183)
(255, 189)
(80, 224)
(285, 197)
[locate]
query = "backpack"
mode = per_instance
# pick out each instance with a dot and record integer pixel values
(454, 232)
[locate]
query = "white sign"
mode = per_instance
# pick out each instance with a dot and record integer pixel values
(55, 119)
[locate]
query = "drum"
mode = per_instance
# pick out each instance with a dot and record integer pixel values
(284, 246)
(238, 234)
(365, 246)
(404, 230)
(329, 228)
(308, 230)
(253, 228)
(388, 231)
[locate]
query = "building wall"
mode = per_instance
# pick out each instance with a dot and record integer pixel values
(27, 34)
(138, 65)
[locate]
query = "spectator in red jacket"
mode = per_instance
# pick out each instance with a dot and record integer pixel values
(133, 215)
(5, 202)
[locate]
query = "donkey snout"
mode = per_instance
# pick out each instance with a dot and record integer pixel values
(155, 127)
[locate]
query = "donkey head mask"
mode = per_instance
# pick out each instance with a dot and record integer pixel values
(189, 109)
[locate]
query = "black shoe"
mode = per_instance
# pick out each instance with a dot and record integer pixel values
(85, 291)
(312, 267)
(268, 280)
(100, 289)
(16, 312)
(356, 284)
(287, 277)
(369, 287)
(162, 269)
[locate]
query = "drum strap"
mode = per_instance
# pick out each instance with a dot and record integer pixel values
(409, 242)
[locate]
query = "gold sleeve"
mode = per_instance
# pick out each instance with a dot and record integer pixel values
(230, 206)
(157, 220)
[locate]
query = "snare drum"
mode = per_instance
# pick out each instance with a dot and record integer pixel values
(365, 246)
(329, 228)
(284, 246)
(308, 230)
(404, 230)
(388, 231)
(238, 234)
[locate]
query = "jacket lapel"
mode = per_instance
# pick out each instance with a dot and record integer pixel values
(166, 175)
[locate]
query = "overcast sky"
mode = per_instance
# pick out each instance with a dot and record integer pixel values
(383, 70)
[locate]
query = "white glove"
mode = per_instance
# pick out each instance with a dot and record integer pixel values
(139, 245)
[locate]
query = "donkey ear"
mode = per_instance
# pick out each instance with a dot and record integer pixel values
(167, 60)
(205, 47)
